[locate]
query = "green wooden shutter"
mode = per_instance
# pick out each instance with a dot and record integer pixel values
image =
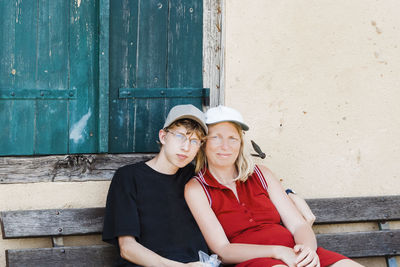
(155, 63)
(48, 77)
(65, 66)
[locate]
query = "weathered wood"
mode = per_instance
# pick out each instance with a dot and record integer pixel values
(355, 209)
(362, 244)
(57, 223)
(213, 50)
(86, 167)
(62, 222)
(101, 255)
(104, 71)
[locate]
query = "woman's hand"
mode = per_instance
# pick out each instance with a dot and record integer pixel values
(195, 264)
(287, 255)
(306, 256)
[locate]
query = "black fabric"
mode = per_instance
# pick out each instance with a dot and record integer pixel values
(150, 206)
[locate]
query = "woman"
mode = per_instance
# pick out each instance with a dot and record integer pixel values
(239, 206)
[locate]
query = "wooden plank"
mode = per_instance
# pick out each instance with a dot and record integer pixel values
(213, 50)
(54, 139)
(98, 167)
(52, 52)
(26, 44)
(83, 120)
(185, 44)
(7, 44)
(18, 71)
(362, 244)
(355, 209)
(104, 47)
(100, 255)
(123, 48)
(52, 73)
(21, 123)
(149, 114)
(6, 147)
(51, 222)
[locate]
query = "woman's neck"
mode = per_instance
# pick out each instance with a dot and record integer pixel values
(224, 175)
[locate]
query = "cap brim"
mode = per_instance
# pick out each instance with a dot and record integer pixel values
(202, 124)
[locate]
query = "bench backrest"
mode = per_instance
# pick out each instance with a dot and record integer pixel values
(62, 222)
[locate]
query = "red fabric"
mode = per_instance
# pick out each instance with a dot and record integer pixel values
(252, 219)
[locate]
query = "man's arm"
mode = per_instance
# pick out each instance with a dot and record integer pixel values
(302, 206)
(132, 251)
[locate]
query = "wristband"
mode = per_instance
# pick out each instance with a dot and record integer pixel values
(288, 191)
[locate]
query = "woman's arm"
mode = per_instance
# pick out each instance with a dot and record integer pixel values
(215, 236)
(302, 232)
(134, 252)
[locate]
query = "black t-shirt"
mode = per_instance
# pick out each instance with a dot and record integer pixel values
(150, 206)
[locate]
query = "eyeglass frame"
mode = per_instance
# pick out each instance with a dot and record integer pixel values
(185, 138)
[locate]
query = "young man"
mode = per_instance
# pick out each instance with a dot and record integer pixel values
(147, 218)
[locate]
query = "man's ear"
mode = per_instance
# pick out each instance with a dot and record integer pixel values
(161, 136)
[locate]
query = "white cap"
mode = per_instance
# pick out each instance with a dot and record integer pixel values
(223, 113)
(186, 112)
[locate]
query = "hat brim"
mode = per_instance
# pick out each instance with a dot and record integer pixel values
(241, 124)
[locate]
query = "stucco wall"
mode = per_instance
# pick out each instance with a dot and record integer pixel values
(318, 82)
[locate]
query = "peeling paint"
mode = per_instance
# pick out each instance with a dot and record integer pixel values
(79, 3)
(78, 128)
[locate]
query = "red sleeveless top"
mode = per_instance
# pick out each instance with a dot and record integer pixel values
(252, 217)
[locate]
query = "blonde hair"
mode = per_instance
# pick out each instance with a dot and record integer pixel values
(244, 162)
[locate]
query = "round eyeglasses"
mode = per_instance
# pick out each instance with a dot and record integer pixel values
(182, 138)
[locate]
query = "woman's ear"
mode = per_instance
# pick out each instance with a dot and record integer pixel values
(161, 136)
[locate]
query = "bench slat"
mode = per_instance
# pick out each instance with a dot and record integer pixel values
(362, 244)
(355, 209)
(34, 223)
(66, 256)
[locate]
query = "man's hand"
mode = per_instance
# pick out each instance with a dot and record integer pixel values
(303, 207)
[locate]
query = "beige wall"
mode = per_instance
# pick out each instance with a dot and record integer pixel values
(319, 84)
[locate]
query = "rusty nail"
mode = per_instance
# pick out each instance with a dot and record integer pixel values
(191, 10)
(13, 71)
(57, 213)
(71, 93)
(159, 5)
(60, 230)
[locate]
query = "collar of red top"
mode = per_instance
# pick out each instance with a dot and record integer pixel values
(208, 179)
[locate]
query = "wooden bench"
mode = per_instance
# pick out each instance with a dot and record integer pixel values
(64, 222)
